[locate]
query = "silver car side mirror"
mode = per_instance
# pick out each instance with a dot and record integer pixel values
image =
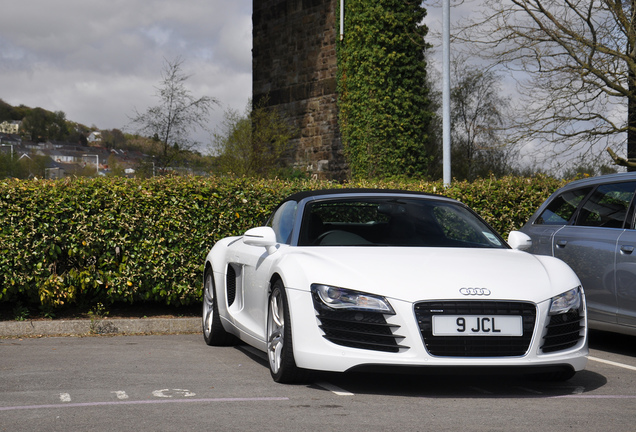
(519, 240)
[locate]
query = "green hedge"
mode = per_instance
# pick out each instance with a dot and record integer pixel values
(86, 241)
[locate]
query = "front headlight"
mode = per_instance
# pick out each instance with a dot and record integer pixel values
(342, 298)
(569, 300)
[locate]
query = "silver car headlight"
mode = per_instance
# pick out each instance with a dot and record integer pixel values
(342, 298)
(569, 300)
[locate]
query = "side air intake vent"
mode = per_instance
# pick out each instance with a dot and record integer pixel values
(355, 329)
(230, 284)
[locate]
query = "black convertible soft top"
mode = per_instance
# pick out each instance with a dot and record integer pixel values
(320, 192)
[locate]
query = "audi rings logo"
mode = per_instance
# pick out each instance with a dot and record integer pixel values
(475, 291)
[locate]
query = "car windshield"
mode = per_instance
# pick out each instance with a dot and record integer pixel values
(393, 222)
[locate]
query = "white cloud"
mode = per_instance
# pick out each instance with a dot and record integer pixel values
(97, 61)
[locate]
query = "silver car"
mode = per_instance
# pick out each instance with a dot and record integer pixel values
(590, 225)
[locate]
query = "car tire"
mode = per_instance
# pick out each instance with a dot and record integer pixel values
(213, 332)
(280, 351)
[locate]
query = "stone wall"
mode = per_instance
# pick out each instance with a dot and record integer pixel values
(294, 68)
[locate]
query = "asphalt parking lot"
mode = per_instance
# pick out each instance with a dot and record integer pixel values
(170, 382)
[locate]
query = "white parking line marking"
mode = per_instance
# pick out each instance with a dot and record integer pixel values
(65, 397)
(121, 395)
(144, 402)
(168, 393)
(334, 389)
(579, 396)
(612, 363)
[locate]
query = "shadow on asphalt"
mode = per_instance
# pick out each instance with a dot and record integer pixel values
(613, 342)
(432, 383)
(464, 386)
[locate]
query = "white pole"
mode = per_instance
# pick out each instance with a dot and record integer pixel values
(446, 94)
(341, 19)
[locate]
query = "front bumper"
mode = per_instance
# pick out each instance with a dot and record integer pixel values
(313, 351)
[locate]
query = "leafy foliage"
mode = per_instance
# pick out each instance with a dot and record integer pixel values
(383, 104)
(92, 241)
(253, 144)
(23, 168)
(42, 125)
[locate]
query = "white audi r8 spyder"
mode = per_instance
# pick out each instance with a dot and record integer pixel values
(358, 279)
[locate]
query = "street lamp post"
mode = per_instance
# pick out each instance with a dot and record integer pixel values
(342, 5)
(446, 126)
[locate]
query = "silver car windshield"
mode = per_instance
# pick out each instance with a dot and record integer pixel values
(394, 222)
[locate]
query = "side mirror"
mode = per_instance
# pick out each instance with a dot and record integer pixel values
(261, 236)
(519, 240)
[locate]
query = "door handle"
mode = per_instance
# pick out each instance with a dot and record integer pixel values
(627, 249)
(561, 243)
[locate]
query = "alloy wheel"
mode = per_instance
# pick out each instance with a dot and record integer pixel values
(275, 331)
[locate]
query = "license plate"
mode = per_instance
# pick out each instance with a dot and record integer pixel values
(477, 325)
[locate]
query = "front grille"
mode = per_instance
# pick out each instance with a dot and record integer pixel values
(357, 329)
(564, 331)
(475, 346)
(230, 285)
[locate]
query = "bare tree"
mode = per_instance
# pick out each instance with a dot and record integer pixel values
(176, 117)
(480, 116)
(575, 65)
(479, 120)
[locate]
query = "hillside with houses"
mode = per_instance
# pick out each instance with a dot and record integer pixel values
(42, 144)
(63, 158)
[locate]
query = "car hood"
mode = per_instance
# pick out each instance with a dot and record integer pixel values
(413, 274)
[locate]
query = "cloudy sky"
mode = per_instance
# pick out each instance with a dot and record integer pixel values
(99, 60)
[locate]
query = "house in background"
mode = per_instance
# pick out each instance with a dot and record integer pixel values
(11, 139)
(11, 127)
(95, 137)
(66, 159)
